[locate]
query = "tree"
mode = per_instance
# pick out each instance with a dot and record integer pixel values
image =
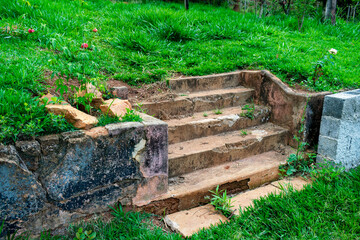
(286, 5)
(330, 11)
(303, 8)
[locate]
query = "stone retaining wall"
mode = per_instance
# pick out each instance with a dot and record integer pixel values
(287, 105)
(57, 179)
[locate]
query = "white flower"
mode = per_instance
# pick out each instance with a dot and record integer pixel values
(333, 51)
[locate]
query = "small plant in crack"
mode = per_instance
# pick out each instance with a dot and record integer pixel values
(221, 201)
(250, 110)
(217, 111)
(131, 116)
(205, 115)
(299, 162)
(244, 133)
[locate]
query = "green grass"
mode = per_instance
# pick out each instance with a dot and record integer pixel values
(145, 43)
(326, 209)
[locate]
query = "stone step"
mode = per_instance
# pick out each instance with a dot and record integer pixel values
(189, 190)
(208, 123)
(246, 199)
(188, 222)
(205, 83)
(188, 104)
(192, 155)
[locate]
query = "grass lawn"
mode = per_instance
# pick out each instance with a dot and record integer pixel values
(327, 209)
(145, 43)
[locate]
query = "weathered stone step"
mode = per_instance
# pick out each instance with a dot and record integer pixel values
(205, 83)
(189, 190)
(185, 157)
(187, 105)
(209, 123)
(188, 222)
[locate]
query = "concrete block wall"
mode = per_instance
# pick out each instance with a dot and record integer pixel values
(339, 139)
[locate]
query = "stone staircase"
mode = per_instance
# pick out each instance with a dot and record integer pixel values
(217, 136)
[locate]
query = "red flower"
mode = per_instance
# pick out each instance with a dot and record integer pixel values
(95, 30)
(84, 45)
(31, 30)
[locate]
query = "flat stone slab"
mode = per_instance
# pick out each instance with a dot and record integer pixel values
(246, 199)
(188, 222)
(296, 183)
(191, 221)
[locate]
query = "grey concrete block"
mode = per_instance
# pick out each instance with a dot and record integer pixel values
(340, 129)
(333, 106)
(349, 152)
(330, 127)
(327, 147)
(351, 110)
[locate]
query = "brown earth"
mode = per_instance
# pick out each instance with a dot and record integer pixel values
(146, 92)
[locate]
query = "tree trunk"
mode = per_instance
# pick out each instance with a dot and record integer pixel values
(236, 6)
(301, 21)
(330, 11)
(285, 6)
(186, 3)
(262, 2)
(256, 7)
(355, 10)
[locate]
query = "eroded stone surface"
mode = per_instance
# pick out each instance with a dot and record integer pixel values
(74, 116)
(121, 92)
(30, 153)
(202, 83)
(213, 150)
(189, 190)
(188, 104)
(88, 164)
(21, 194)
(208, 123)
(82, 173)
(287, 104)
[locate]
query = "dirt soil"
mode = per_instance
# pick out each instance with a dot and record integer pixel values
(146, 92)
